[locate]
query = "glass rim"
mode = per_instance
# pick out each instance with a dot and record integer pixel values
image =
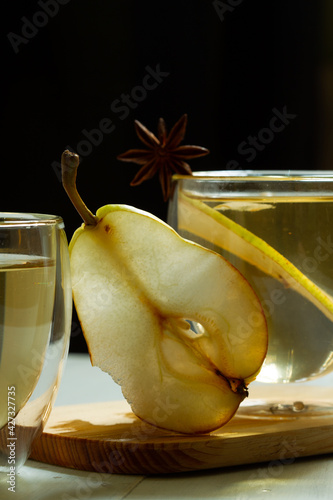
(23, 219)
(257, 175)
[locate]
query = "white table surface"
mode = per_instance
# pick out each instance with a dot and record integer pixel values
(304, 478)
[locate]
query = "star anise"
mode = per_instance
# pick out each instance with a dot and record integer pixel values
(164, 155)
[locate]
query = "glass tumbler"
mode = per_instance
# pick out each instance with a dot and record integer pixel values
(276, 228)
(35, 321)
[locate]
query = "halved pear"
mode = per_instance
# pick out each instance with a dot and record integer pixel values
(209, 224)
(136, 285)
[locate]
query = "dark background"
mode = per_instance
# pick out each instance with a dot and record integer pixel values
(229, 64)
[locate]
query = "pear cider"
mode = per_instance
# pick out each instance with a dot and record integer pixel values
(27, 287)
(296, 220)
(300, 336)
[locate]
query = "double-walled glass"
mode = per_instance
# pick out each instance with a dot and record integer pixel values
(35, 319)
(277, 229)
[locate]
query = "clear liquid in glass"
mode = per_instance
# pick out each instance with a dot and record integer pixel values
(300, 335)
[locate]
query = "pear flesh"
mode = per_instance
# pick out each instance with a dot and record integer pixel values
(136, 286)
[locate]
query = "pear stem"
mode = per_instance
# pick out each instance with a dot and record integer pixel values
(69, 164)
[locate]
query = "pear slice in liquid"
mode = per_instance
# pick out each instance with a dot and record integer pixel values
(205, 222)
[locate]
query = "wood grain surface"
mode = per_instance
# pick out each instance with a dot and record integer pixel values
(108, 437)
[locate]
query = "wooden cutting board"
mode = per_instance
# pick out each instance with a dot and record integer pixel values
(107, 437)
